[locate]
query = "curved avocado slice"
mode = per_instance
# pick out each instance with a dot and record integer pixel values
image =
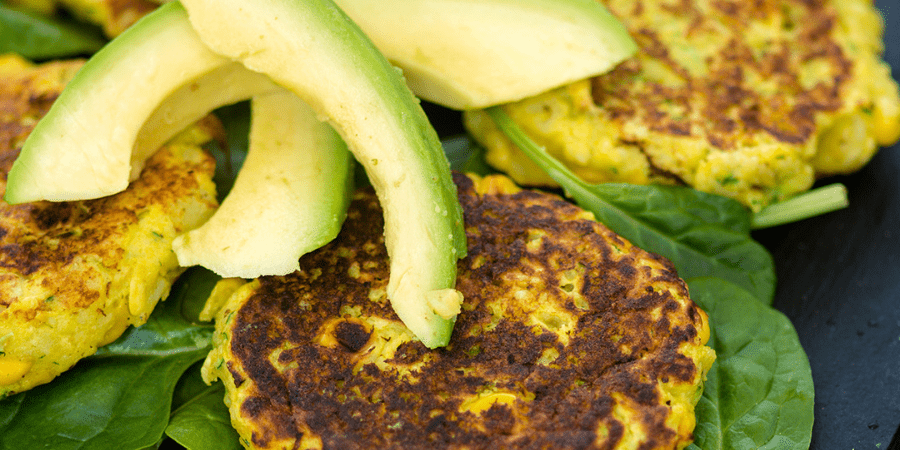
(317, 215)
(290, 197)
(313, 49)
(82, 148)
(468, 54)
(225, 85)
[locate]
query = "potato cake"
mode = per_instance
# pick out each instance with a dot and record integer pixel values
(75, 275)
(569, 337)
(750, 100)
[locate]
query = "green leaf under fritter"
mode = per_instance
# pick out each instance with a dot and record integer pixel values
(39, 37)
(200, 419)
(759, 392)
(121, 397)
(229, 160)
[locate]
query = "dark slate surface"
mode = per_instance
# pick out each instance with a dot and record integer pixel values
(839, 282)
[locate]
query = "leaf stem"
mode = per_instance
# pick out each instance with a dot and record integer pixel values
(812, 203)
(554, 168)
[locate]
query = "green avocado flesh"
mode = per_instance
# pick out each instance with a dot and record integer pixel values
(467, 54)
(226, 85)
(314, 50)
(82, 148)
(180, 62)
(290, 197)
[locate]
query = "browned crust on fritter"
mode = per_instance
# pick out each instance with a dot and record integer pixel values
(124, 13)
(726, 106)
(45, 237)
(25, 98)
(572, 395)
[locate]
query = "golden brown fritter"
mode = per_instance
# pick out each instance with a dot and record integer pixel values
(749, 99)
(570, 337)
(74, 276)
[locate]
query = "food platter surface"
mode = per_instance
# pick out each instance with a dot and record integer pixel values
(839, 283)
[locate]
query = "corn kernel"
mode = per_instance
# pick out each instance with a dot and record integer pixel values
(12, 370)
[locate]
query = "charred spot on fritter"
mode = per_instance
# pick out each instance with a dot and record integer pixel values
(569, 337)
(352, 335)
(729, 84)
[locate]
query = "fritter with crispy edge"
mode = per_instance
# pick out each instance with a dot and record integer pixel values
(74, 276)
(569, 337)
(753, 100)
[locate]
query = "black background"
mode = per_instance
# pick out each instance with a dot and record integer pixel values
(839, 283)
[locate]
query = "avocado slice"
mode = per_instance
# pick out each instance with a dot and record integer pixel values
(321, 214)
(314, 50)
(226, 85)
(290, 197)
(82, 148)
(467, 54)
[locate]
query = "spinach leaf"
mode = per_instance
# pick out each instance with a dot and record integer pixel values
(39, 37)
(759, 392)
(120, 404)
(121, 397)
(702, 234)
(229, 159)
(464, 156)
(8, 410)
(200, 419)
